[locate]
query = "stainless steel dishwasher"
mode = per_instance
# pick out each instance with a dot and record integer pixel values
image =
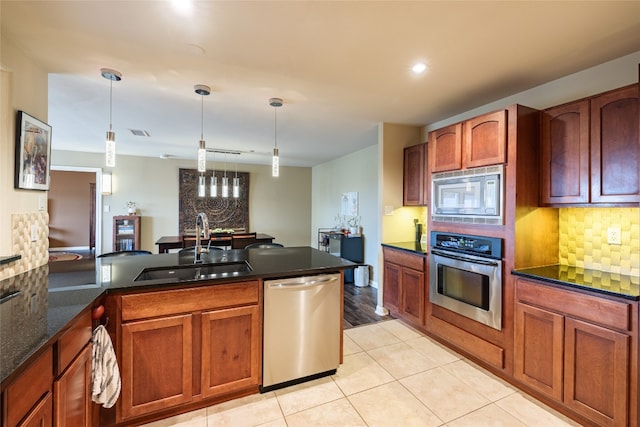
(301, 329)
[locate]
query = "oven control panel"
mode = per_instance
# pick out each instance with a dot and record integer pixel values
(479, 245)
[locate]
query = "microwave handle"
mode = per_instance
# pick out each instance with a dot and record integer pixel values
(465, 259)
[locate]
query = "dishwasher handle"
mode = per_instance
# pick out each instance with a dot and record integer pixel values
(303, 283)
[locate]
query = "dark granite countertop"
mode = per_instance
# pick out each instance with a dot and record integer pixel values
(603, 282)
(415, 247)
(52, 296)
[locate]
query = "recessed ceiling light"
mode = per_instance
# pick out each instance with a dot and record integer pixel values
(419, 68)
(182, 6)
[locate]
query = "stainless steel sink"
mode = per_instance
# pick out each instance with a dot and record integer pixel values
(184, 273)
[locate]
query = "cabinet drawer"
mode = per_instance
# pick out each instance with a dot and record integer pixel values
(601, 311)
(34, 383)
(162, 303)
(73, 341)
(404, 259)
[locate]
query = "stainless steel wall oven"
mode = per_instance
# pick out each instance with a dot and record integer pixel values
(466, 276)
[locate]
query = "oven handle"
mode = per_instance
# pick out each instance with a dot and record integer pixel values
(464, 259)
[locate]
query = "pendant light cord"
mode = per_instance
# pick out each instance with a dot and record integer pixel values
(202, 117)
(275, 127)
(110, 103)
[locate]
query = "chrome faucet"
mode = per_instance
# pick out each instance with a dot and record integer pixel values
(202, 227)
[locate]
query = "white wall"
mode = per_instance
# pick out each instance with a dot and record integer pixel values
(280, 207)
(601, 78)
(355, 172)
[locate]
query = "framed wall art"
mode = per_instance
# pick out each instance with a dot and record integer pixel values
(33, 153)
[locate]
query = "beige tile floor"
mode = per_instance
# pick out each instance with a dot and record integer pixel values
(392, 376)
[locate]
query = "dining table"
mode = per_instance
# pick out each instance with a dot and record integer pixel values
(166, 243)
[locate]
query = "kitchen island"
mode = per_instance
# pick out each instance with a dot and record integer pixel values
(219, 309)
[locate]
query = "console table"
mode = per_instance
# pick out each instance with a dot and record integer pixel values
(178, 242)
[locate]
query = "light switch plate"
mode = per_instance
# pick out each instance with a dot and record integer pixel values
(34, 232)
(41, 203)
(613, 235)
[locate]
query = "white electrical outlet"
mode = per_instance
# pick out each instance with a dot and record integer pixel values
(41, 203)
(613, 235)
(34, 232)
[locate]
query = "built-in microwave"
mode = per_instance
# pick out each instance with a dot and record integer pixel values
(470, 195)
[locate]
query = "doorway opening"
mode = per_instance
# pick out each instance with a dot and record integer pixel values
(86, 211)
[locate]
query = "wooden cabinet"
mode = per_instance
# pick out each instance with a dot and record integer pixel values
(72, 405)
(72, 393)
(126, 233)
(565, 154)
(481, 141)
(591, 150)
(404, 285)
(156, 364)
(182, 346)
(615, 146)
(414, 176)
(446, 151)
(576, 349)
(232, 357)
(485, 140)
(28, 400)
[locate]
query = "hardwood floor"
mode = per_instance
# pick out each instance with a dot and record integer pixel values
(360, 306)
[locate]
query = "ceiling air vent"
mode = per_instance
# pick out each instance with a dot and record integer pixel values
(138, 132)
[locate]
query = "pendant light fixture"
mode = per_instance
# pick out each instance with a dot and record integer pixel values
(203, 91)
(275, 162)
(235, 189)
(110, 145)
(225, 180)
(213, 187)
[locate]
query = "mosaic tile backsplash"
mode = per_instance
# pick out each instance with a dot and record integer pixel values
(583, 239)
(34, 254)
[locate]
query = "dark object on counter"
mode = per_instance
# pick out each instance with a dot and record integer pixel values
(418, 232)
(264, 245)
(124, 253)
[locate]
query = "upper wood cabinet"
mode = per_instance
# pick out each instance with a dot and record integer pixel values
(615, 147)
(485, 140)
(565, 154)
(447, 148)
(414, 177)
(481, 141)
(591, 149)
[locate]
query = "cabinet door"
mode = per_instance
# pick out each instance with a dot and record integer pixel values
(41, 415)
(72, 393)
(615, 147)
(485, 140)
(596, 372)
(565, 154)
(391, 286)
(414, 184)
(156, 364)
(412, 294)
(538, 356)
(446, 151)
(231, 350)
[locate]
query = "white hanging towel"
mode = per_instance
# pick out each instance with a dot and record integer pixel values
(105, 375)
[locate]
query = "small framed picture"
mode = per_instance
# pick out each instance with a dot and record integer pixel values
(33, 153)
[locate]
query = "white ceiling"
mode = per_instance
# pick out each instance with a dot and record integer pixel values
(341, 67)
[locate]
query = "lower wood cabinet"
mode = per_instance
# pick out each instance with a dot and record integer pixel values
(183, 346)
(404, 285)
(156, 364)
(576, 349)
(72, 393)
